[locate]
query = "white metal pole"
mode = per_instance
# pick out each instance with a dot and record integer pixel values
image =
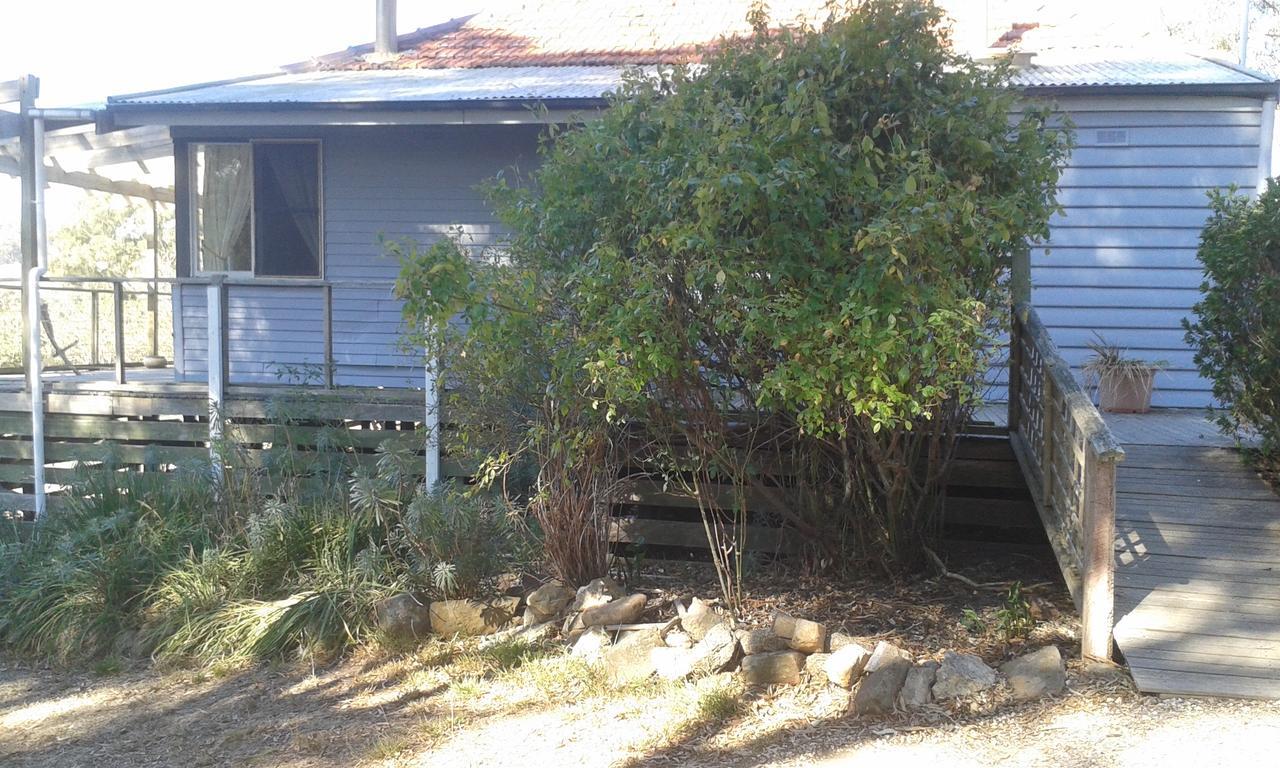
(35, 388)
(432, 422)
(1244, 32)
(217, 369)
(35, 370)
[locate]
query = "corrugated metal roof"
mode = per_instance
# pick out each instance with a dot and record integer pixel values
(394, 86)
(1101, 67)
(1054, 69)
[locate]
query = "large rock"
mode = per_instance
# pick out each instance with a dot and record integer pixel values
(808, 637)
(631, 658)
(712, 654)
(623, 611)
(839, 640)
(962, 674)
(885, 673)
(469, 618)
(1036, 674)
(596, 592)
(403, 618)
(846, 664)
(784, 624)
(699, 618)
(549, 600)
(917, 688)
(755, 641)
(778, 668)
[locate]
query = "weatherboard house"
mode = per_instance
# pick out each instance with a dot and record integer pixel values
(287, 184)
(287, 187)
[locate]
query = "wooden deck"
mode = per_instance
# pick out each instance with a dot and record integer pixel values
(1197, 563)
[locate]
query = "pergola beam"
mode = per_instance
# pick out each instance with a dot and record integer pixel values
(11, 90)
(96, 182)
(80, 147)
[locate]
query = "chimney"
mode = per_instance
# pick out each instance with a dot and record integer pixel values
(384, 41)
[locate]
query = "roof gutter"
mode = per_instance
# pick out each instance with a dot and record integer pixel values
(1263, 89)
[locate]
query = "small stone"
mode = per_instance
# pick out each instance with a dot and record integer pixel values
(917, 688)
(808, 636)
(699, 618)
(962, 674)
(595, 593)
(549, 600)
(846, 664)
(784, 625)
(403, 618)
(755, 641)
(469, 618)
(815, 666)
(778, 668)
(677, 639)
(623, 611)
(631, 658)
(1036, 674)
(536, 633)
(886, 672)
(590, 644)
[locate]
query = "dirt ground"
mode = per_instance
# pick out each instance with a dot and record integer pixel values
(455, 705)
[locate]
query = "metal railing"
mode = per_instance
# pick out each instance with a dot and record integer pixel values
(1068, 456)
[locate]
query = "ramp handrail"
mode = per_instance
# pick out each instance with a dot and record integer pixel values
(1068, 456)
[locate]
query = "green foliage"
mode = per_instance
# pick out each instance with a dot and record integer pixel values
(972, 622)
(1013, 618)
(797, 248)
(289, 557)
(1236, 330)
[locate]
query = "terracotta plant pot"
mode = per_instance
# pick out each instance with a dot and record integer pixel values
(1126, 394)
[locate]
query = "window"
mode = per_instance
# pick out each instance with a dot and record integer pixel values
(257, 208)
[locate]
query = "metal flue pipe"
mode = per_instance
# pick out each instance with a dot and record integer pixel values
(384, 41)
(35, 370)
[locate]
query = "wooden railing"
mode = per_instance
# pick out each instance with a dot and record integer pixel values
(93, 289)
(1068, 456)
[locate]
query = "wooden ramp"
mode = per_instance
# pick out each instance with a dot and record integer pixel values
(1197, 581)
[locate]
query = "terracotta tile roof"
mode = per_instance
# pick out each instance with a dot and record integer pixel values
(541, 33)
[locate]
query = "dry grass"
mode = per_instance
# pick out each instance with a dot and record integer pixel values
(455, 704)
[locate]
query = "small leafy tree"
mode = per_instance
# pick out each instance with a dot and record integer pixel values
(1236, 330)
(778, 273)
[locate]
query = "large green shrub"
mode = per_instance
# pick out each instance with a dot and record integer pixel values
(791, 255)
(1236, 330)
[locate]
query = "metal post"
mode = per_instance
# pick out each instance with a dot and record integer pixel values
(215, 298)
(117, 310)
(29, 89)
(35, 387)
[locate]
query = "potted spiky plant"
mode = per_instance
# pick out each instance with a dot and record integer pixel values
(1124, 383)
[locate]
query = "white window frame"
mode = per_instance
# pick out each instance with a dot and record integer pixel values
(194, 207)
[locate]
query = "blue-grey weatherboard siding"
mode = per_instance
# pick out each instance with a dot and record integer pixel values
(1120, 261)
(415, 183)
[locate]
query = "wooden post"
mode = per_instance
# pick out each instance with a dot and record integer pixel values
(117, 309)
(215, 308)
(153, 290)
(1015, 370)
(94, 357)
(1048, 417)
(1020, 276)
(328, 336)
(1097, 592)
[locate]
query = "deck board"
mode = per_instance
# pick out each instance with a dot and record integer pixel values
(1197, 571)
